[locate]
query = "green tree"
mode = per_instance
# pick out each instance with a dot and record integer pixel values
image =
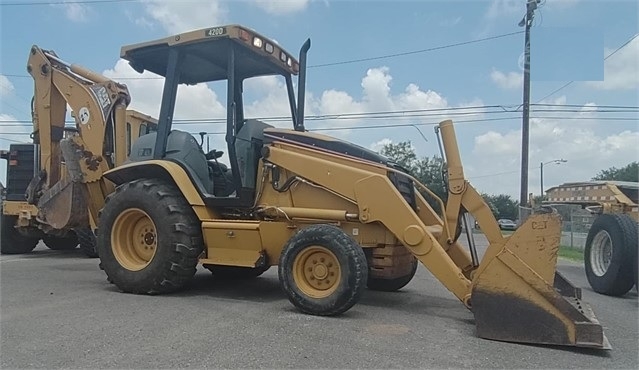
(627, 173)
(426, 170)
(502, 206)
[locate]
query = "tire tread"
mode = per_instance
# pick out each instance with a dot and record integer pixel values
(186, 242)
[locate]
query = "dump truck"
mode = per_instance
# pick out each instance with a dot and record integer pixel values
(41, 200)
(334, 217)
(610, 253)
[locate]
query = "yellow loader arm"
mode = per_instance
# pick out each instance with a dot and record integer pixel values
(514, 292)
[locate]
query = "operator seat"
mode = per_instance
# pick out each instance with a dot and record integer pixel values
(220, 174)
(248, 148)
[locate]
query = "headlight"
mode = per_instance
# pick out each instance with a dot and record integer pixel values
(257, 42)
(269, 48)
(283, 57)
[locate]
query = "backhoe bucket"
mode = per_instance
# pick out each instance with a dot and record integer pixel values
(517, 296)
(64, 206)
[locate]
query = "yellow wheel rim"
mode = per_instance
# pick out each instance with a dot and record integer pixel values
(316, 272)
(133, 239)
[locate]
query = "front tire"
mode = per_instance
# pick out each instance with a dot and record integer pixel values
(322, 270)
(11, 241)
(149, 238)
(610, 254)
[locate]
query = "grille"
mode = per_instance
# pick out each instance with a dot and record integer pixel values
(19, 176)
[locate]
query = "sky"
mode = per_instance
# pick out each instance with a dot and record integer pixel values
(422, 60)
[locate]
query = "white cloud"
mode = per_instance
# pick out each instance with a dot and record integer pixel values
(267, 97)
(379, 145)
(621, 71)
(181, 16)
(75, 11)
(197, 102)
(271, 99)
(509, 11)
(510, 80)
(450, 22)
(561, 4)
(500, 8)
(6, 87)
(587, 152)
(376, 96)
(339, 102)
(6, 117)
(279, 7)
(138, 21)
(13, 131)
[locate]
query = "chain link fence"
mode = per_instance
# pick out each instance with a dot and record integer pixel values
(575, 223)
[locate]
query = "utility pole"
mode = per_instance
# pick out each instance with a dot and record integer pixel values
(526, 22)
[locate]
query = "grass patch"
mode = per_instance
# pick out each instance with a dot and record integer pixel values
(572, 254)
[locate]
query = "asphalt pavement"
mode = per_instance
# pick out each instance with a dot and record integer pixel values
(58, 311)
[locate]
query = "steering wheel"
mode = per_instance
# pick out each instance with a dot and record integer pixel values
(214, 154)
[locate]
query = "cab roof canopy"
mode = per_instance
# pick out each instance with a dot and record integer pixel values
(205, 55)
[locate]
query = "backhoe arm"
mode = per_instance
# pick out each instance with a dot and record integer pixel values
(99, 108)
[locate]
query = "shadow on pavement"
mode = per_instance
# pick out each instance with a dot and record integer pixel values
(48, 253)
(260, 289)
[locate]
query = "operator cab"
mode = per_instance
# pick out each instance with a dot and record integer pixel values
(229, 53)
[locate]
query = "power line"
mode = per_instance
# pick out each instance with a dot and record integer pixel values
(391, 115)
(347, 61)
(500, 173)
(415, 51)
(493, 174)
(397, 125)
(580, 105)
(115, 78)
(571, 82)
(12, 140)
(360, 127)
(30, 3)
(333, 116)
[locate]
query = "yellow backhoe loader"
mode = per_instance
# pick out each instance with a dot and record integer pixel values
(332, 216)
(46, 196)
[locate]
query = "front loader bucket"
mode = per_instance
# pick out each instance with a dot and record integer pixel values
(518, 297)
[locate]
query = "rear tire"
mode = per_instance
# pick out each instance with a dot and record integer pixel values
(392, 285)
(63, 243)
(88, 242)
(323, 270)
(610, 254)
(235, 272)
(11, 241)
(149, 238)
